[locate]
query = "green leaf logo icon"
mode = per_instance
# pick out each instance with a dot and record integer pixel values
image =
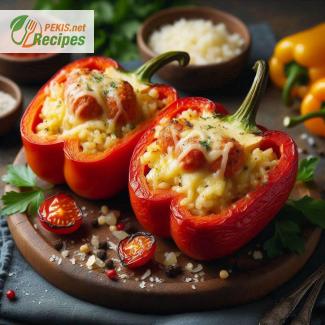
(15, 26)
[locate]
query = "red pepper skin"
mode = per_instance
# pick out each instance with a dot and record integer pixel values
(215, 235)
(95, 176)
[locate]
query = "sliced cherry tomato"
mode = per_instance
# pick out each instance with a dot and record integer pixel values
(60, 214)
(137, 249)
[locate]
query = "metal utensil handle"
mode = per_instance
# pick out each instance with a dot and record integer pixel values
(304, 316)
(282, 310)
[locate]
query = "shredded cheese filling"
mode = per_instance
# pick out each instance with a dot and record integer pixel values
(98, 133)
(232, 162)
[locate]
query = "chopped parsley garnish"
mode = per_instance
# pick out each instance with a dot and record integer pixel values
(98, 77)
(205, 144)
(113, 84)
(210, 127)
(89, 88)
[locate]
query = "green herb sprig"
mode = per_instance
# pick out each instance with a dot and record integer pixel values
(288, 226)
(116, 21)
(31, 195)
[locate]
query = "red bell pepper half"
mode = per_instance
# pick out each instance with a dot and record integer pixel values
(216, 235)
(94, 176)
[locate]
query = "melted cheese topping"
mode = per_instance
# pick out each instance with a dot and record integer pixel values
(205, 191)
(96, 134)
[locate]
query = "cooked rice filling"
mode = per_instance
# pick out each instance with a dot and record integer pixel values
(211, 163)
(98, 108)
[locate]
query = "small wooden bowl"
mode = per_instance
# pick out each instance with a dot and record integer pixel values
(8, 119)
(32, 70)
(196, 77)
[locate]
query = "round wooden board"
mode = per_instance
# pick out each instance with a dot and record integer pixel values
(173, 295)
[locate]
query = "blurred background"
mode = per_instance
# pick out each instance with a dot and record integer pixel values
(116, 21)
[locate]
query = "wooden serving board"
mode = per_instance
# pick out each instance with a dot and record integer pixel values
(249, 280)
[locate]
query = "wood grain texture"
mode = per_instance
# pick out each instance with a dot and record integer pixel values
(36, 245)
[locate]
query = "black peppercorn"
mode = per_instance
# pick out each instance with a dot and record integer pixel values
(101, 253)
(109, 264)
(94, 223)
(58, 245)
(173, 271)
(102, 244)
(130, 229)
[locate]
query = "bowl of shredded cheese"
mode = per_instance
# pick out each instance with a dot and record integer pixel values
(10, 104)
(217, 42)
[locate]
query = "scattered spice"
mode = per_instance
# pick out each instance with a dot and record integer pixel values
(120, 226)
(102, 244)
(197, 269)
(101, 220)
(84, 248)
(65, 253)
(111, 274)
(112, 228)
(189, 267)
(104, 209)
(91, 261)
(94, 241)
(172, 271)
(257, 255)
(11, 295)
(101, 253)
(130, 229)
(146, 274)
(170, 258)
(109, 264)
(224, 274)
(58, 245)
(94, 223)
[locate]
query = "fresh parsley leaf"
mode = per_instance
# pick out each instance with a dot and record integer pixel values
(306, 169)
(205, 144)
(312, 209)
(287, 237)
(273, 247)
(25, 201)
(20, 175)
(18, 202)
(288, 225)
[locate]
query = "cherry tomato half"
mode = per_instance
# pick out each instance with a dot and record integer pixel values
(60, 214)
(137, 249)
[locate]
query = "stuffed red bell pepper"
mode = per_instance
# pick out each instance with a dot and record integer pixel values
(210, 180)
(84, 123)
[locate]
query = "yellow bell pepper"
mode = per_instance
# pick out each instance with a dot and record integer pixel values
(312, 110)
(298, 60)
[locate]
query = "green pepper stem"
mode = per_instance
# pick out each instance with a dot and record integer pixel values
(246, 113)
(296, 74)
(146, 71)
(290, 122)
